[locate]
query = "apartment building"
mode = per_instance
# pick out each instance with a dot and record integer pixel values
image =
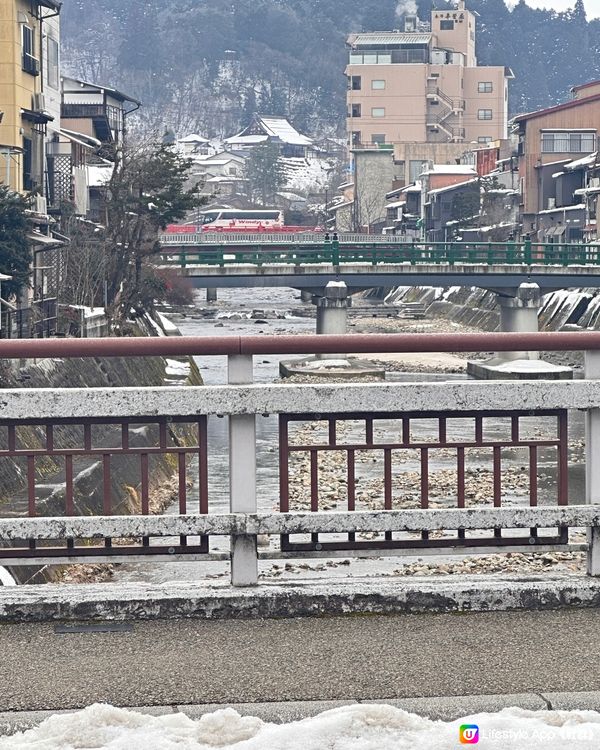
(548, 140)
(29, 92)
(419, 92)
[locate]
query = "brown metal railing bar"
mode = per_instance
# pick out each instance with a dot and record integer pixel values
(31, 485)
(314, 488)
(203, 465)
(460, 483)
(302, 344)
(351, 485)
(49, 438)
(99, 451)
(418, 446)
(563, 459)
(387, 485)
(533, 482)
(182, 490)
(424, 485)
(394, 415)
(497, 484)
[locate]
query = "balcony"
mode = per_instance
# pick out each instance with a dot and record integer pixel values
(107, 120)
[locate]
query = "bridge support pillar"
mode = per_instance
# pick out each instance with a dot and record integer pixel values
(332, 319)
(519, 314)
(242, 477)
(211, 294)
(305, 296)
(332, 313)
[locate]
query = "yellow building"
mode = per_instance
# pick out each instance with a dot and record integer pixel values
(29, 90)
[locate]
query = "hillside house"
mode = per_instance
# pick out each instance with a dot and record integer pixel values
(277, 130)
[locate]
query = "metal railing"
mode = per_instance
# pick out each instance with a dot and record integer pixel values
(373, 250)
(91, 430)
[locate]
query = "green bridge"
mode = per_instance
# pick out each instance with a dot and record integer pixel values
(363, 261)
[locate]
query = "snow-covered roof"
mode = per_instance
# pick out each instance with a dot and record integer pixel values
(415, 188)
(193, 138)
(228, 178)
(263, 128)
(395, 204)
(456, 186)
(213, 163)
(585, 161)
(280, 128)
(451, 169)
(578, 207)
(388, 37)
(248, 140)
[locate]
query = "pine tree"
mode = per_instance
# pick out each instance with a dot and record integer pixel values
(264, 173)
(15, 252)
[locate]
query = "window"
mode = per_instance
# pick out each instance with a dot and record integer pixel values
(378, 138)
(564, 142)
(27, 164)
(484, 87)
(356, 137)
(355, 111)
(415, 168)
(29, 62)
(484, 114)
(446, 25)
(378, 112)
(370, 58)
(52, 47)
(354, 83)
(378, 85)
(484, 139)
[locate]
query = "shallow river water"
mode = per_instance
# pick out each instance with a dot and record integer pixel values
(231, 317)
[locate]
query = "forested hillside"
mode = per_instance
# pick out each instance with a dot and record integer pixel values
(205, 65)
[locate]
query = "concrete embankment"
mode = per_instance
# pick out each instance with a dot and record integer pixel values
(477, 308)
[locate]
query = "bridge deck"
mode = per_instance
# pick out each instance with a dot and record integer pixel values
(170, 662)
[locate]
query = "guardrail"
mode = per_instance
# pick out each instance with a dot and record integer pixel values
(300, 251)
(423, 423)
(274, 238)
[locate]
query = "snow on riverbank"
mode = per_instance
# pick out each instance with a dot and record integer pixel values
(358, 727)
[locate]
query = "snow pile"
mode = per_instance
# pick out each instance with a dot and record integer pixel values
(358, 727)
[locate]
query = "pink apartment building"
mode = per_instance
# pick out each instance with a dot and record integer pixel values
(421, 93)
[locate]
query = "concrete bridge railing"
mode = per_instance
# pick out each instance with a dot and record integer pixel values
(314, 422)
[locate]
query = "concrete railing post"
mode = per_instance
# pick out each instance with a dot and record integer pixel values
(242, 476)
(592, 465)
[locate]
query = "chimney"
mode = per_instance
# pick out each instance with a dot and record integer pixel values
(410, 23)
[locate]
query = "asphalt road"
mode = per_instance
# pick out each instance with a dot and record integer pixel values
(354, 657)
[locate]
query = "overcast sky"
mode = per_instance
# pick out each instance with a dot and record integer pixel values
(592, 6)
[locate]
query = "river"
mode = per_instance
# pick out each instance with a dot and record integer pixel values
(278, 311)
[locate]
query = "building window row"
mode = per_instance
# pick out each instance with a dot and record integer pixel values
(356, 111)
(355, 84)
(563, 142)
(484, 139)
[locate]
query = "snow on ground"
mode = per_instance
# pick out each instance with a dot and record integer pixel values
(358, 727)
